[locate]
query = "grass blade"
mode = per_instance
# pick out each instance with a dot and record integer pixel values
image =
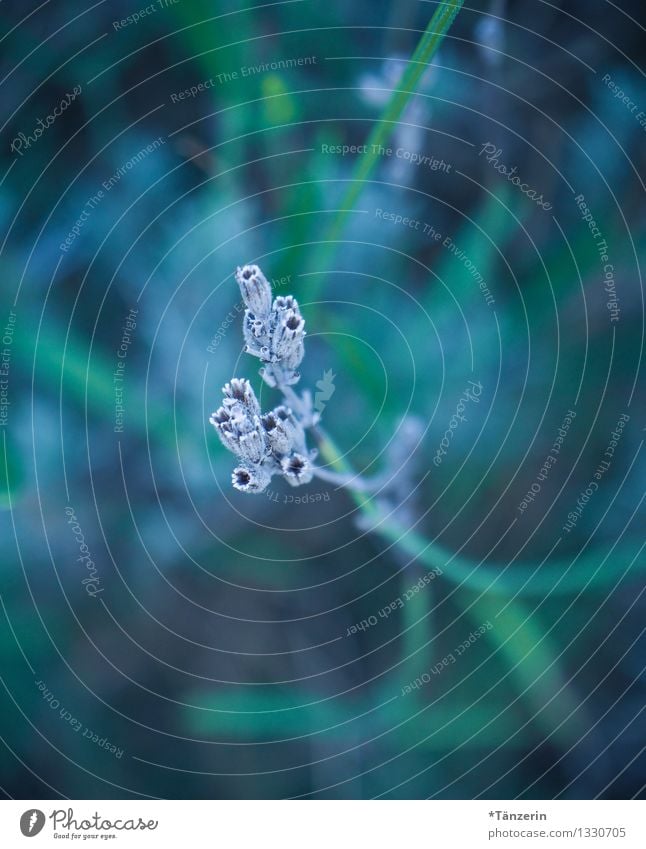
(427, 47)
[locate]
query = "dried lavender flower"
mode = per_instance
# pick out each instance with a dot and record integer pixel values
(278, 435)
(239, 391)
(255, 289)
(297, 469)
(275, 443)
(287, 337)
(284, 432)
(273, 332)
(241, 431)
(221, 421)
(252, 478)
(252, 446)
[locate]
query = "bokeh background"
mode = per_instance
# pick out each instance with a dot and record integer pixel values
(229, 646)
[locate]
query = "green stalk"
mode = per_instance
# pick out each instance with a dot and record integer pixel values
(426, 49)
(559, 577)
(532, 658)
(420, 60)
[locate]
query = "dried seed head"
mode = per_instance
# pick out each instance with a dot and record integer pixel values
(293, 359)
(275, 337)
(251, 479)
(285, 302)
(296, 469)
(287, 337)
(276, 435)
(238, 422)
(240, 391)
(293, 427)
(252, 445)
(221, 421)
(274, 443)
(219, 417)
(283, 432)
(255, 289)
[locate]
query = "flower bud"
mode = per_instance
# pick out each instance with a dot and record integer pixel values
(285, 302)
(221, 421)
(240, 391)
(296, 469)
(293, 359)
(287, 338)
(281, 430)
(252, 446)
(255, 289)
(238, 424)
(252, 479)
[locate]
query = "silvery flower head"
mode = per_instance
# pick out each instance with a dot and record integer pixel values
(297, 469)
(240, 391)
(288, 334)
(252, 446)
(283, 431)
(273, 443)
(255, 289)
(241, 430)
(250, 478)
(273, 332)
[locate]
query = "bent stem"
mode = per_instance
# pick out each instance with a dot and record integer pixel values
(591, 570)
(537, 669)
(352, 480)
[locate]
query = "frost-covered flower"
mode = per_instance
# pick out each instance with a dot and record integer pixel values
(297, 469)
(273, 443)
(251, 478)
(287, 338)
(238, 422)
(281, 429)
(255, 289)
(273, 332)
(252, 446)
(239, 391)
(221, 421)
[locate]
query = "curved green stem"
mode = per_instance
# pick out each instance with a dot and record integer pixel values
(561, 577)
(419, 62)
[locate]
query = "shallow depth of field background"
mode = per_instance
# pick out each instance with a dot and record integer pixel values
(218, 655)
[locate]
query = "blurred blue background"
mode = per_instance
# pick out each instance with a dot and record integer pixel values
(205, 644)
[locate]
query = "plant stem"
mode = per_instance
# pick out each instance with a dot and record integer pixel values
(351, 480)
(419, 62)
(590, 570)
